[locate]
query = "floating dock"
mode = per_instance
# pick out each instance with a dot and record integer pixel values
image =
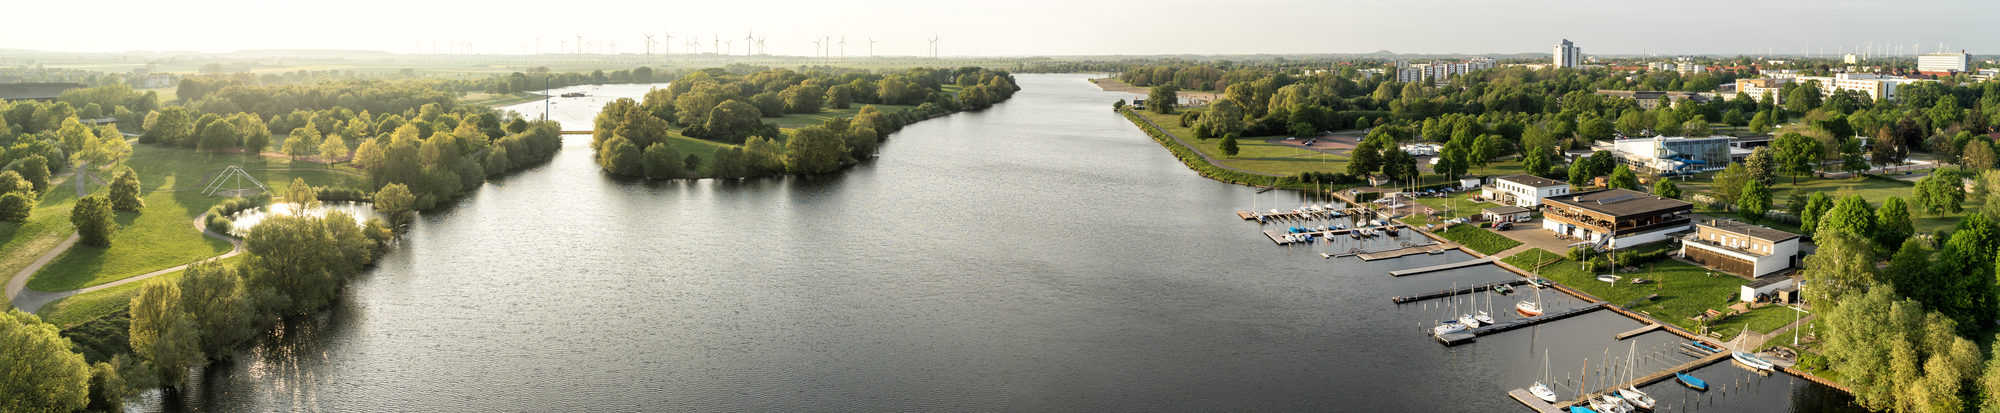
(1278, 235)
(1441, 267)
(1301, 215)
(1523, 396)
(1637, 331)
(1655, 376)
(1449, 292)
(1454, 339)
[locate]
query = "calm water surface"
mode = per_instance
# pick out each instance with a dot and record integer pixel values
(1043, 255)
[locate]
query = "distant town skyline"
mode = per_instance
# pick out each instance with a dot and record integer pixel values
(1021, 28)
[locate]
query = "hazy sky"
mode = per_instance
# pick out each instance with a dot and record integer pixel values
(1002, 27)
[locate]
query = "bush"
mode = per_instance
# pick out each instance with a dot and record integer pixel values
(220, 225)
(342, 194)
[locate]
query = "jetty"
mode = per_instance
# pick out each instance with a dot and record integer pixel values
(1301, 215)
(1654, 376)
(1637, 331)
(1450, 292)
(1468, 336)
(1277, 235)
(1523, 396)
(1439, 267)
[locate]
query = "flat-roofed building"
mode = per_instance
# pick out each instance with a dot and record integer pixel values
(1525, 191)
(1616, 218)
(1944, 62)
(1742, 249)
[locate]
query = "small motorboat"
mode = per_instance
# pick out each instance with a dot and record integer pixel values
(1325, 255)
(1542, 391)
(1704, 346)
(1468, 320)
(1608, 278)
(1436, 252)
(1448, 327)
(1581, 409)
(1638, 398)
(1503, 290)
(1751, 360)
(1528, 308)
(1483, 318)
(1691, 381)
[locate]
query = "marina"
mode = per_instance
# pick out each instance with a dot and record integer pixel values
(1442, 267)
(1451, 292)
(1468, 336)
(1635, 332)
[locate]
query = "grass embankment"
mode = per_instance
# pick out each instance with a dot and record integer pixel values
(493, 100)
(1460, 205)
(162, 234)
(1684, 289)
(1762, 320)
(1479, 239)
(1194, 160)
(78, 309)
(1253, 153)
(48, 225)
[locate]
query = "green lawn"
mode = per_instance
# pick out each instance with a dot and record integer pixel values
(1479, 239)
(1876, 191)
(1501, 168)
(162, 234)
(1761, 320)
(22, 242)
(81, 308)
(1253, 153)
(795, 121)
(1458, 205)
(1684, 289)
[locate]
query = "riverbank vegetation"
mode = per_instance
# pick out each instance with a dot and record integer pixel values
(735, 123)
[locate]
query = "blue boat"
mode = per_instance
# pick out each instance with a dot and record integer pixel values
(1580, 409)
(1691, 381)
(1705, 346)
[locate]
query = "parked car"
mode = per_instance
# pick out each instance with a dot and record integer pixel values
(1504, 226)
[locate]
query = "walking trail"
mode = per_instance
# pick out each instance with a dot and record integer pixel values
(29, 300)
(1204, 155)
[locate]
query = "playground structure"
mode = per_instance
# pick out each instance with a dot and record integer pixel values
(234, 174)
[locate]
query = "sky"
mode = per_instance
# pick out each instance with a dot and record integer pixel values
(1014, 28)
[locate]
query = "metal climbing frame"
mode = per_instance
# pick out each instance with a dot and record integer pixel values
(232, 171)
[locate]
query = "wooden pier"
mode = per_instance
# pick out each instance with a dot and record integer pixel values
(1654, 376)
(1357, 213)
(1523, 396)
(1637, 331)
(1454, 339)
(1450, 292)
(1440, 267)
(1277, 235)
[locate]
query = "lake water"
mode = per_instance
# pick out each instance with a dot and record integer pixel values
(246, 219)
(1042, 255)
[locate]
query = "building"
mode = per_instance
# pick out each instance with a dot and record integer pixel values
(46, 92)
(1568, 56)
(1673, 154)
(1877, 87)
(1651, 99)
(1779, 289)
(1505, 213)
(1742, 249)
(1522, 190)
(1850, 58)
(1757, 88)
(1616, 218)
(1438, 71)
(1944, 62)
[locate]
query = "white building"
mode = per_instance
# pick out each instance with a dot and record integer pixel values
(1742, 249)
(1567, 55)
(1877, 87)
(1850, 58)
(1944, 62)
(1526, 191)
(1438, 71)
(1668, 154)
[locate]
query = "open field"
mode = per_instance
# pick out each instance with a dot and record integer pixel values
(48, 225)
(1875, 191)
(80, 308)
(1684, 289)
(1254, 153)
(800, 120)
(1478, 239)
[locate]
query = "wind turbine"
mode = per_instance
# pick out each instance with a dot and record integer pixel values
(760, 45)
(934, 45)
(667, 44)
(816, 48)
(727, 45)
(649, 45)
(717, 40)
(614, 46)
(561, 44)
(843, 46)
(871, 47)
(749, 42)
(694, 46)
(579, 43)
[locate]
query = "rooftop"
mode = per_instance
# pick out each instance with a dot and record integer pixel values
(1619, 202)
(1752, 231)
(1531, 180)
(1506, 210)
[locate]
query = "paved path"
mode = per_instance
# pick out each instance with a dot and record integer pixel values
(1204, 155)
(32, 300)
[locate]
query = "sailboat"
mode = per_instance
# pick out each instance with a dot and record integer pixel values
(1751, 360)
(1530, 308)
(1542, 391)
(1482, 316)
(1467, 320)
(1631, 393)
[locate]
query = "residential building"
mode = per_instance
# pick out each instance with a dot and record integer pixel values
(1877, 87)
(1850, 58)
(1944, 62)
(1616, 218)
(1651, 99)
(1438, 71)
(1672, 154)
(1742, 249)
(1522, 190)
(1568, 56)
(1756, 88)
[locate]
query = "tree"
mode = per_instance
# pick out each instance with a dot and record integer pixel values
(1163, 99)
(1229, 145)
(1852, 159)
(34, 169)
(1365, 159)
(38, 371)
(814, 150)
(394, 201)
(1755, 201)
(94, 220)
(15, 206)
(1451, 160)
(1222, 118)
(300, 142)
(1887, 149)
(1485, 149)
(1730, 182)
(1977, 155)
(162, 333)
(1666, 188)
(332, 148)
(1937, 194)
(1695, 127)
(1622, 177)
(125, 192)
(1536, 161)
(1892, 223)
(171, 125)
(663, 162)
(1630, 124)
(1763, 168)
(1796, 154)
(214, 300)
(1844, 264)
(1579, 173)
(1399, 165)
(1851, 215)
(621, 157)
(1761, 123)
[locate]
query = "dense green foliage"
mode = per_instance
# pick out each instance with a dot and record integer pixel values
(94, 221)
(38, 372)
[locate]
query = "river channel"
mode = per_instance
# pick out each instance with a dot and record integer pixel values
(1042, 255)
